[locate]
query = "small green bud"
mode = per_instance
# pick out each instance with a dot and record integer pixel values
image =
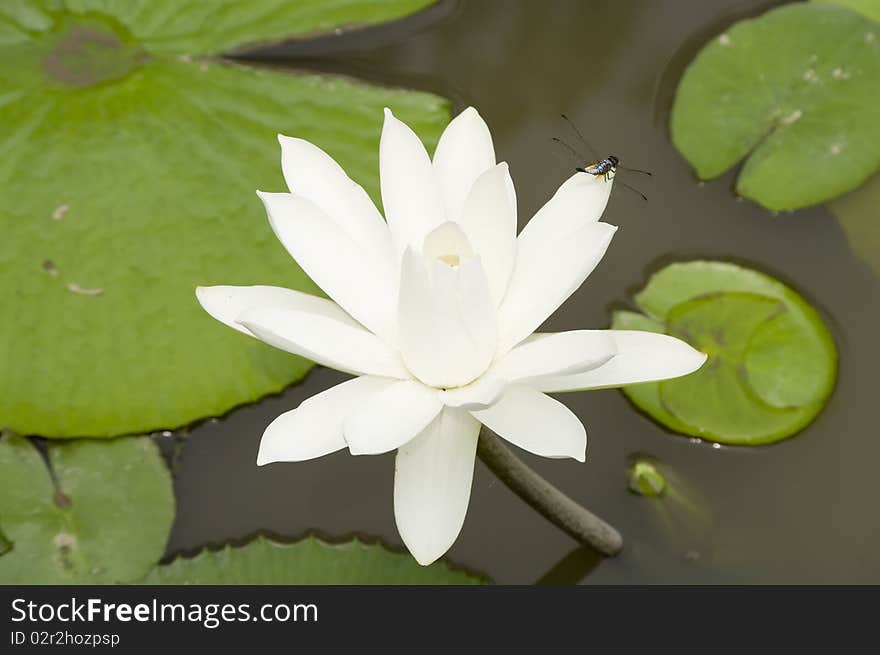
(644, 479)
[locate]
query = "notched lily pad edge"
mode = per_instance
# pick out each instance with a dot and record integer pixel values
(418, 17)
(314, 536)
(400, 83)
(740, 192)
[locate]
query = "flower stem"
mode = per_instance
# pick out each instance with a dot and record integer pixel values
(552, 504)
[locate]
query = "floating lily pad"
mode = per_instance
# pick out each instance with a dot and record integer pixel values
(771, 362)
(869, 8)
(104, 518)
(127, 179)
(310, 561)
(5, 544)
(793, 91)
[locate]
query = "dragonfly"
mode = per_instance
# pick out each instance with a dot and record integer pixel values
(606, 167)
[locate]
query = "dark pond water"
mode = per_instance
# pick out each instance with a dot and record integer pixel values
(804, 510)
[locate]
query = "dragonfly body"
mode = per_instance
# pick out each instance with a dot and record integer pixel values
(605, 167)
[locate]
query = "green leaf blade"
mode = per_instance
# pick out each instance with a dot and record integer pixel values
(208, 28)
(107, 521)
(868, 8)
(794, 87)
(121, 197)
(307, 562)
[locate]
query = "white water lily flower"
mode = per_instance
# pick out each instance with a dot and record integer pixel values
(435, 312)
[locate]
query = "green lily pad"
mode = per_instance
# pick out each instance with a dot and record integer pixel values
(794, 91)
(196, 27)
(102, 515)
(647, 396)
(5, 544)
(772, 362)
(859, 215)
(869, 8)
(307, 562)
(127, 179)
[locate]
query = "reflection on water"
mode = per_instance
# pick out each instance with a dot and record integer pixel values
(572, 568)
(803, 510)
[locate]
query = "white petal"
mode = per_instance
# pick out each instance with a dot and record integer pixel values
(343, 346)
(488, 218)
(432, 484)
(560, 353)
(641, 357)
(580, 200)
(362, 282)
(312, 174)
(547, 271)
(409, 191)
(314, 428)
(447, 242)
(447, 326)
(537, 423)
(227, 303)
(391, 418)
(464, 152)
(479, 394)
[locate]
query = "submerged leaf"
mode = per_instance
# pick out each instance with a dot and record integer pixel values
(795, 92)
(127, 179)
(771, 361)
(101, 515)
(859, 215)
(307, 562)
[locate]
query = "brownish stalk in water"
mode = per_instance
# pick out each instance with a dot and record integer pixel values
(551, 503)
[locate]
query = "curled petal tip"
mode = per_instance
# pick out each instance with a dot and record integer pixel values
(697, 359)
(262, 456)
(284, 139)
(263, 459)
(388, 113)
